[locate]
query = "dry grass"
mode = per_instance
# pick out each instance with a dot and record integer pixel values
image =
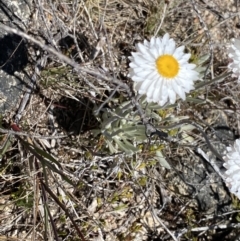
(67, 185)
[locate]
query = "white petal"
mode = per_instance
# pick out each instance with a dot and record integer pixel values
(178, 90)
(232, 165)
(170, 48)
(179, 52)
(150, 81)
(234, 55)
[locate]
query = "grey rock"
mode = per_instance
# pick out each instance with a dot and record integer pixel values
(13, 57)
(196, 178)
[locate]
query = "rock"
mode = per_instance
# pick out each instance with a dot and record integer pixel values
(195, 177)
(13, 57)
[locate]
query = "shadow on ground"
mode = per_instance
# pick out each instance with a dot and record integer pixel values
(75, 116)
(13, 54)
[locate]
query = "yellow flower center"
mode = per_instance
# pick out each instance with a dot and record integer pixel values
(167, 66)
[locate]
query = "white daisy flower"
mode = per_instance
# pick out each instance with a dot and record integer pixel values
(234, 54)
(232, 165)
(161, 71)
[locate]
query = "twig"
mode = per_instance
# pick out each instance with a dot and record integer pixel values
(19, 133)
(206, 30)
(93, 72)
(65, 210)
(152, 209)
(211, 162)
(161, 22)
(214, 227)
(60, 56)
(39, 65)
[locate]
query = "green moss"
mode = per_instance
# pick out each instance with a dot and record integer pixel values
(88, 155)
(119, 175)
(121, 207)
(62, 218)
(142, 181)
(94, 167)
(152, 163)
(136, 227)
(81, 185)
(190, 216)
(115, 198)
(173, 132)
(23, 198)
(154, 17)
(236, 205)
(52, 76)
(154, 148)
(99, 202)
(190, 220)
(163, 113)
(124, 193)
